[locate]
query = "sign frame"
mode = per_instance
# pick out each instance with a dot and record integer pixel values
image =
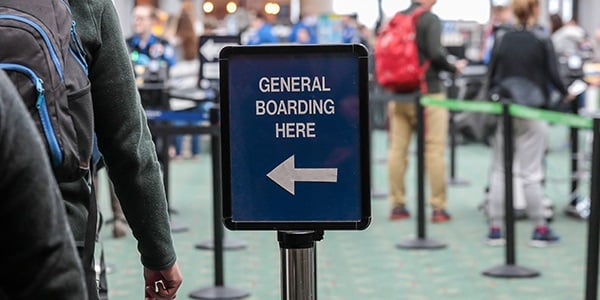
(357, 52)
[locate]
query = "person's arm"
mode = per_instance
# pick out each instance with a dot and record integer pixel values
(552, 67)
(38, 255)
(434, 50)
(123, 135)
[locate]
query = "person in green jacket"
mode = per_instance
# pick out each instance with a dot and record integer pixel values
(38, 256)
(126, 145)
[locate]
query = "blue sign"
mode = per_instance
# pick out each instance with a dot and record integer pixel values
(294, 124)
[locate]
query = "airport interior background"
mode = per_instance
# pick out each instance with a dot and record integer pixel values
(366, 264)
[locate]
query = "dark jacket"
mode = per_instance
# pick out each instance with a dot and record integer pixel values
(429, 33)
(123, 135)
(522, 67)
(38, 256)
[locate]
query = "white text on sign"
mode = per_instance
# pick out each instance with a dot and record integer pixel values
(294, 107)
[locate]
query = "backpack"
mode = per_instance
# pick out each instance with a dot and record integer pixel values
(44, 58)
(397, 66)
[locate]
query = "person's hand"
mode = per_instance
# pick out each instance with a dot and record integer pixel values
(569, 97)
(460, 65)
(163, 284)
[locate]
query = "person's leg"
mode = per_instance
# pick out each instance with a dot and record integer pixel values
(436, 133)
(496, 193)
(400, 134)
(529, 152)
(195, 141)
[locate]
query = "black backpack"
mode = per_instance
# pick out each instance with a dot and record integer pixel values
(43, 56)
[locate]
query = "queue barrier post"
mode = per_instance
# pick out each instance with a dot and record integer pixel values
(421, 242)
(510, 269)
(591, 282)
(219, 290)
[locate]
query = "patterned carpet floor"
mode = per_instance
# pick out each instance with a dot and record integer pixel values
(367, 264)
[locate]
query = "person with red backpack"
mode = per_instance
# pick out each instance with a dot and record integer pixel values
(432, 58)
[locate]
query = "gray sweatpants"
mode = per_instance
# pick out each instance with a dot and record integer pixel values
(529, 140)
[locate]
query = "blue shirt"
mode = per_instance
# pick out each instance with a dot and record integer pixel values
(168, 55)
(264, 35)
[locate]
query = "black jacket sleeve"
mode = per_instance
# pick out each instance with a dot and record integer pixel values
(38, 255)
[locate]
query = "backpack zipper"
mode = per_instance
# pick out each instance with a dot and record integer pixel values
(77, 50)
(44, 36)
(56, 154)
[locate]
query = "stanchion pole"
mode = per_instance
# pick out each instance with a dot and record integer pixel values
(215, 144)
(298, 264)
(421, 242)
(453, 92)
(375, 194)
(591, 277)
(219, 290)
(510, 269)
(453, 180)
(574, 139)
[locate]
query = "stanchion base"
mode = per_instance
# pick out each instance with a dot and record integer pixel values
(177, 227)
(511, 271)
(228, 244)
(378, 194)
(219, 292)
(458, 182)
(420, 244)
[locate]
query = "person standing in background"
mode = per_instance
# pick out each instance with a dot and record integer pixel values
(501, 20)
(262, 31)
(522, 67)
(402, 118)
(143, 42)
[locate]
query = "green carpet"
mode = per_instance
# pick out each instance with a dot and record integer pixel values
(366, 264)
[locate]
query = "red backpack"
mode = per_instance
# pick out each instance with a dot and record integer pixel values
(397, 66)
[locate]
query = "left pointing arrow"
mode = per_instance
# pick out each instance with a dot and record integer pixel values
(286, 175)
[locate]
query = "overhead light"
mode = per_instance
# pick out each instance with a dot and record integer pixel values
(208, 7)
(272, 8)
(231, 7)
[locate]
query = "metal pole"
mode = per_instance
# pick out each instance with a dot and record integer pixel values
(298, 264)
(591, 282)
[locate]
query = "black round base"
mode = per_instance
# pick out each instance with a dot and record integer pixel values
(511, 271)
(375, 194)
(420, 244)
(458, 182)
(228, 244)
(219, 292)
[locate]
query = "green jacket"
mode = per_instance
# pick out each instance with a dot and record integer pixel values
(123, 136)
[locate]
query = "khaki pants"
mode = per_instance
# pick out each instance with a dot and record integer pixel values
(403, 121)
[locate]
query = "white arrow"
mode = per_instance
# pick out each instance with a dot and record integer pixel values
(210, 49)
(286, 175)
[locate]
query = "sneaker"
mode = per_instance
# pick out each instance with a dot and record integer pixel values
(579, 210)
(440, 216)
(542, 237)
(495, 237)
(399, 213)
